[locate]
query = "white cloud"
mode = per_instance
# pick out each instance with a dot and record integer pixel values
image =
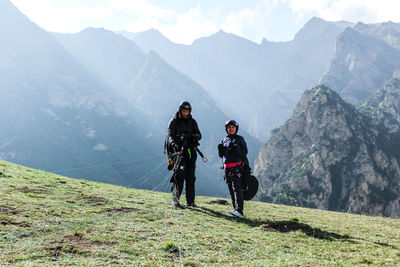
(196, 22)
(237, 22)
(307, 5)
(249, 23)
(189, 26)
(100, 147)
(53, 17)
(369, 11)
(143, 23)
(89, 132)
(142, 8)
(183, 28)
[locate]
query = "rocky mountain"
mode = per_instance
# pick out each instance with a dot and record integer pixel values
(388, 32)
(296, 65)
(230, 67)
(384, 107)
(329, 155)
(205, 60)
(156, 89)
(117, 59)
(58, 115)
(366, 57)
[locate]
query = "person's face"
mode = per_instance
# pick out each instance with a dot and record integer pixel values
(185, 113)
(231, 129)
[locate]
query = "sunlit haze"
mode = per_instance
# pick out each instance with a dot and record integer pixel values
(184, 21)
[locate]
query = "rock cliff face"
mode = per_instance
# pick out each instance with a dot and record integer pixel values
(331, 156)
(388, 32)
(365, 58)
(384, 107)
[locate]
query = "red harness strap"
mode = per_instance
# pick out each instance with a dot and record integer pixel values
(231, 165)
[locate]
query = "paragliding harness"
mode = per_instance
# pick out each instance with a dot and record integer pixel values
(249, 182)
(174, 158)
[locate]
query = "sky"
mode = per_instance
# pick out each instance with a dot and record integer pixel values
(183, 21)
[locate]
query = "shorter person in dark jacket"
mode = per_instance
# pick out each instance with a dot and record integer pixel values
(233, 151)
(183, 135)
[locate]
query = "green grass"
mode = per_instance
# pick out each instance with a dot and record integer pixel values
(46, 219)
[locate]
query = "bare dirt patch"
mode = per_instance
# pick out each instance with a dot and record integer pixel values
(122, 209)
(93, 200)
(35, 190)
(8, 220)
(73, 244)
(7, 210)
(81, 242)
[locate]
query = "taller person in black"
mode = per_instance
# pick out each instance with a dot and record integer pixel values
(183, 135)
(233, 151)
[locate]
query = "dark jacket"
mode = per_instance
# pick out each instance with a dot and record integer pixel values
(183, 131)
(233, 149)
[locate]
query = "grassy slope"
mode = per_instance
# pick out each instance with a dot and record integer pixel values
(47, 219)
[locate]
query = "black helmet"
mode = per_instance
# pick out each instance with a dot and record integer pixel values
(185, 105)
(231, 122)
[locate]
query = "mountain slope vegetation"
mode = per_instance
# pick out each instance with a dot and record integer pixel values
(47, 219)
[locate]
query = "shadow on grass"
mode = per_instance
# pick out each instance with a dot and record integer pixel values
(294, 225)
(289, 226)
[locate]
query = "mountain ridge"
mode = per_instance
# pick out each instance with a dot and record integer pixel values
(225, 62)
(362, 64)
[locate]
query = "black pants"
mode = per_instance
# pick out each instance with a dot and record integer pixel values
(233, 178)
(186, 173)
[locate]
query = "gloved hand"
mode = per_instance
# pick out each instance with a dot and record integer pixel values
(175, 146)
(170, 164)
(196, 136)
(194, 140)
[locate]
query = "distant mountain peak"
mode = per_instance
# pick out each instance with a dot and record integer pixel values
(99, 32)
(221, 32)
(313, 25)
(360, 26)
(11, 15)
(316, 26)
(319, 97)
(154, 33)
(318, 20)
(153, 30)
(222, 36)
(94, 29)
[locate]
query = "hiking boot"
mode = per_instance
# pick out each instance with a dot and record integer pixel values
(177, 205)
(191, 205)
(236, 213)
